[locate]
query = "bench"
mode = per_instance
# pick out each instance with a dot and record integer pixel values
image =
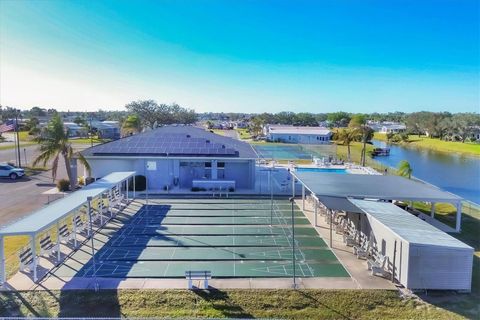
(350, 238)
(47, 246)
(79, 226)
(99, 213)
(378, 265)
(64, 235)
(198, 275)
(119, 197)
(26, 259)
(362, 251)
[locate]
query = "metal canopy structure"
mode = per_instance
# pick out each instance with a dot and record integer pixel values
(407, 226)
(372, 186)
(50, 214)
(362, 186)
(420, 255)
(338, 204)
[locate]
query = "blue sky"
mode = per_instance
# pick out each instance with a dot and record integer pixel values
(242, 56)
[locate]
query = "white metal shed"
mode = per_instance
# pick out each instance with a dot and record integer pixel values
(420, 255)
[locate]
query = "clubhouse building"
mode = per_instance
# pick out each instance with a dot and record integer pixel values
(178, 158)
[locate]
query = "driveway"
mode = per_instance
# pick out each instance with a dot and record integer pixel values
(20, 197)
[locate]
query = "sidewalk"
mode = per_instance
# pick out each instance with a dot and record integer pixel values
(355, 267)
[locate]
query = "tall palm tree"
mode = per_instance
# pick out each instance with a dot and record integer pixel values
(53, 143)
(405, 169)
(347, 136)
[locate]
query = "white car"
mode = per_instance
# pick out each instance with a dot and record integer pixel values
(8, 171)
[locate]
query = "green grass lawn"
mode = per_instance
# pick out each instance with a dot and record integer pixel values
(469, 148)
(286, 304)
(244, 134)
(88, 141)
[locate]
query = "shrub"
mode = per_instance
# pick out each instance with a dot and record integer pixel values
(81, 180)
(140, 183)
(231, 189)
(63, 185)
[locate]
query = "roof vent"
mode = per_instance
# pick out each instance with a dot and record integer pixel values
(207, 141)
(188, 136)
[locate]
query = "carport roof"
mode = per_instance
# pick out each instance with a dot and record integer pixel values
(339, 204)
(372, 187)
(407, 226)
(50, 214)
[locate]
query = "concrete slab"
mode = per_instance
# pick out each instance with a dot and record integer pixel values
(355, 267)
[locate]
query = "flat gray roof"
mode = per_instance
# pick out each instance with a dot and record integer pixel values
(50, 214)
(366, 186)
(339, 204)
(407, 226)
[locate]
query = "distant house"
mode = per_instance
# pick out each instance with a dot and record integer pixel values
(475, 133)
(178, 158)
(301, 135)
(107, 129)
(392, 128)
(74, 130)
(240, 125)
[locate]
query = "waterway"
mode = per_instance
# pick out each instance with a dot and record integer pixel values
(455, 173)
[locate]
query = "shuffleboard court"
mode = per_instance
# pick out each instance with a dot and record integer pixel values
(232, 238)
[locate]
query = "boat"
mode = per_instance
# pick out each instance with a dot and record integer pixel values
(381, 152)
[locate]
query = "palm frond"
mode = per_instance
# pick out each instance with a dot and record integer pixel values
(44, 156)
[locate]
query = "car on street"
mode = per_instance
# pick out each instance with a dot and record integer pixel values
(8, 171)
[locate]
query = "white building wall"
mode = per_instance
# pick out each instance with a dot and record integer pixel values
(421, 266)
(102, 167)
(299, 138)
(385, 243)
(168, 172)
(439, 268)
(240, 172)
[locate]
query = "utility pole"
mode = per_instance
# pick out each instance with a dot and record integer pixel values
(90, 130)
(18, 140)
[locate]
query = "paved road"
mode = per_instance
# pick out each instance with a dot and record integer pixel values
(20, 197)
(231, 133)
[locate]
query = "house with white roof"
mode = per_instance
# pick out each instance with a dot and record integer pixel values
(301, 135)
(392, 127)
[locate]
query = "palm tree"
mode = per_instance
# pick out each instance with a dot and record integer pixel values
(404, 169)
(347, 136)
(54, 143)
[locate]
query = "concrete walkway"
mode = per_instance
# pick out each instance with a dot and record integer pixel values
(355, 267)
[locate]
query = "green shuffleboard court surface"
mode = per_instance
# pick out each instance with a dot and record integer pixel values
(230, 237)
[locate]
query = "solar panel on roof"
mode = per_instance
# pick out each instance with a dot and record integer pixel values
(174, 140)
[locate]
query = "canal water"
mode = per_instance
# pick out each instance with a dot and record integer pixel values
(452, 172)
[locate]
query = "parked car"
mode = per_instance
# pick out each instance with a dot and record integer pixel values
(11, 172)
